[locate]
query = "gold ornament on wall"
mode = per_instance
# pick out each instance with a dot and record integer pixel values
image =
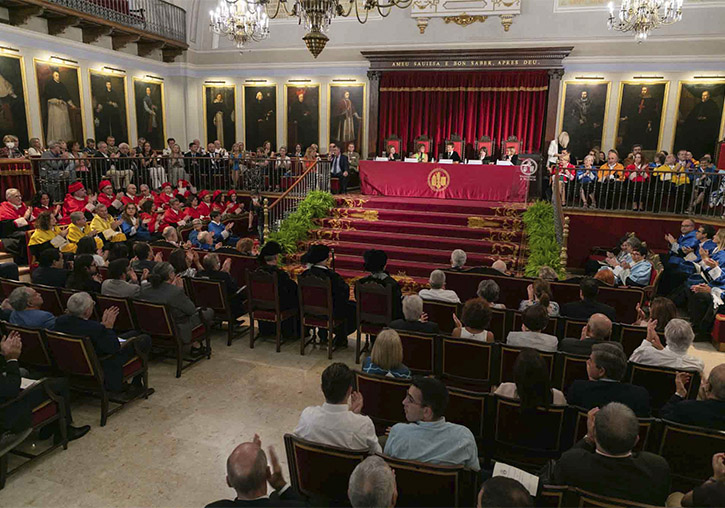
(465, 19)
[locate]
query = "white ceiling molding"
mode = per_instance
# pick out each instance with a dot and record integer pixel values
(565, 6)
(464, 12)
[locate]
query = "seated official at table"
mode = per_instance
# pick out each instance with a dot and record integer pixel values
(451, 153)
(420, 153)
(483, 155)
(511, 156)
(393, 154)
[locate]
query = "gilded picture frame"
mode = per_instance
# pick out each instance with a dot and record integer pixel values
(343, 116)
(103, 126)
(259, 114)
(304, 120)
(14, 106)
(584, 124)
(641, 131)
(688, 132)
(60, 101)
(156, 135)
(220, 117)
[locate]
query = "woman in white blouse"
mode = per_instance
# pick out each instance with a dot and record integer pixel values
(531, 385)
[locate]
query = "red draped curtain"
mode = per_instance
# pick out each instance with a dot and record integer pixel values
(469, 104)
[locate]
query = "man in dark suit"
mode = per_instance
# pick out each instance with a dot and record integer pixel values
(317, 259)
(709, 412)
(451, 153)
(414, 318)
(248, 474)
(603, 462)
(588, 304)
(605, 368)
(597, 330)
(51, 271)
(374, 262)
(105, 341)
(286, 290)
(214, 270)
(340, 168)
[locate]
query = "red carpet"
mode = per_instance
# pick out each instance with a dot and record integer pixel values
(419, 234)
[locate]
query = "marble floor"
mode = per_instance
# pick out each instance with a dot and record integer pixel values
(171, 449)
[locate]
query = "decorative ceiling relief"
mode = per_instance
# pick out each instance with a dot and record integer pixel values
(465, 12)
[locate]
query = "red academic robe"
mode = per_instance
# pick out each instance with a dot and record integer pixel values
(205, 209)
(192, 212)
(152, 223)
(126, 199)
(162, 200)
(182, 194)
(72, 204)
(235, 208)
(172, 218)
(8, 212)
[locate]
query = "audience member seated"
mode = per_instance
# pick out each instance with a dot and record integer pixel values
(248, 474)
(84, 276)
(386, 358)
(429, 437)
(499, 491)
(168, 288)
(597, 330)
(372, 484)
(710, 493)
(105, 340)
(185, 262)
(708, 412)
(245, 247)
(606, 367)
(605, 277)
(535, 319)
(169, 238)
(15, 218)
(144, 257)
(661, 311)
(638, 273)
(458, 260)
(588, 303)
(215, 270)
(338, 421)
(475, 318)
(50, 271)
(88, 245)
(489, 291)
(47, 234)
(197, 225)
(540, 292)
(106, 226)
(438, 291)
(26, 303)
(205, 240)
(18, 416)
(532, 383)
(286, 289)
(679, 337)
(603, 462)
(77, 230)
(414, 320)
(222, 232)
(122, 281)
(549, 274)
(374, 263)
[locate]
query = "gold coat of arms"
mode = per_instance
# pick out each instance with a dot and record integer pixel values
(439, 180)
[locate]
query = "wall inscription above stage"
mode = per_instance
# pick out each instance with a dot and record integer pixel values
(473, 64)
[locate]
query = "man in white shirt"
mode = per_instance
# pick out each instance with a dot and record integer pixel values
(338, 421)
(438, 291)
(535, 319)
(679, 337)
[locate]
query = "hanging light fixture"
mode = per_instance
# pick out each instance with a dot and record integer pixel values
(641, 16)
(240, 21)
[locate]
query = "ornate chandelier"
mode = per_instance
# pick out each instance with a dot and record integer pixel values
(641, 16)
(241, 21)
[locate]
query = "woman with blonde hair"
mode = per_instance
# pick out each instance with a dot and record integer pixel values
(386, 358)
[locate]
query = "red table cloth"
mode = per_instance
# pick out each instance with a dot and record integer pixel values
(444, 181)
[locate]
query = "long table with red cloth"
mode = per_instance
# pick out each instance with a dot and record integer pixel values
(443, 181)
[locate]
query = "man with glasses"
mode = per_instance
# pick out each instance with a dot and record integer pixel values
(429, 437)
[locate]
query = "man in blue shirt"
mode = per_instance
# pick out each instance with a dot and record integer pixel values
(638, 273)
(26, 304)
(686, 244)
(429, 438)
(222, 232)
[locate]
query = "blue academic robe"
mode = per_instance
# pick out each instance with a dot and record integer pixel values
(218, 230)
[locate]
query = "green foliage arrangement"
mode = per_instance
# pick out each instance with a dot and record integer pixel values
(544, 250)
(294, 229)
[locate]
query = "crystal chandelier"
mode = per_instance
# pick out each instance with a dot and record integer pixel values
(641, 16)
(241, 21)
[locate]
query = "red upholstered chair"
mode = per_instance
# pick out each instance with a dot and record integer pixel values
(508, 355)
(459, 144)
(567, 369)
(395, 141)
(660, 383)
(631, 336)
(419, 352)
(571, 327)
(424, 484)
(241, 223)
(155, 320)
(76, 359)
(484, 142)
(212, 294)
(264, 305)
(442, 314)
(647, 429)
(468, 409)
(499, 319)
(718, 332)
(184, 231)
(125, 320)
(586, 499)
(103, 272)
(554, 496)
(316, 310)
(552, 325)
(374, 307)
(720, 155)
(35, 354)
(511, 141)
(382, 399)
(426, 142)
(240, 264)
(467, 363)
(51, 299)
(165, 250)
(319, 472)
(8, 285)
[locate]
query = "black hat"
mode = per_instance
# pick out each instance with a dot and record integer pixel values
(374, 260)
(270, 249)
(316, 254)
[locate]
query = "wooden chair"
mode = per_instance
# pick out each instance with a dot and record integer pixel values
(393, 140)
(567, 369)
(660, 383)
(587, 499)
(689, 450)
(554, 496)
(51, 299)
(8, 285)
(160, 246)
(647, 430)
(374, 308)
(508, 356)
(35, 354)
(459, 144)
(316, 310)
(511, 141)
(418, 352)
(155, 320)
(442, 313)
(212, 294)
(319, 472)
(631, 337)
(125, 320)
(426, 142)
(499, 319)
(264, 305)
(468, 409)
(552, 326)
(527, 440)
(382, 399)
(467, 363)
(487, 143)
(570, 328)
(75, 357)
(421, 484)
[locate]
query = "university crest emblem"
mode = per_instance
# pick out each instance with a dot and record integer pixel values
(439, 180)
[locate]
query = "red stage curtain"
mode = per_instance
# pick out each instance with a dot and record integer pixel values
(470, 104)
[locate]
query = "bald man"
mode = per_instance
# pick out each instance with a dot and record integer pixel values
(597, 330)
(708, 412)
(248, 474)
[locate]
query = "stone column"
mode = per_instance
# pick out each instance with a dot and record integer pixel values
(374, 78)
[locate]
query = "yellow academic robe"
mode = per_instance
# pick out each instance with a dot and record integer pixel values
(75, 234)
(105, 228)
(41, 236)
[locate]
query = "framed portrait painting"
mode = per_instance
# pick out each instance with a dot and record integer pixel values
(640, 115)
(61, 106)
(220, 114)
(699, 118)
(149, 103)
(13, 100)
(346, 115)
(110, 109)
(584, 114)
(302, 115)
(260, 116)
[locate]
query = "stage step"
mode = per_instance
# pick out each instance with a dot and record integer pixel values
(396, 266)
(431, 205)
(401, 227)
(430, 217)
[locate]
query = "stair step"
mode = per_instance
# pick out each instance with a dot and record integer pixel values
(395, 266)
(401, 227)
(432, 205)
(430, 217)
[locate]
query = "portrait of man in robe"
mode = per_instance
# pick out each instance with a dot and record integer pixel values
(260, 116)
(303, 115)
(585, 107)
(699, 117)
(220, 115)
(13, 106)
(640, 116)
(60, 102)
(150, 112)
(108, 96)
(346, 114)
